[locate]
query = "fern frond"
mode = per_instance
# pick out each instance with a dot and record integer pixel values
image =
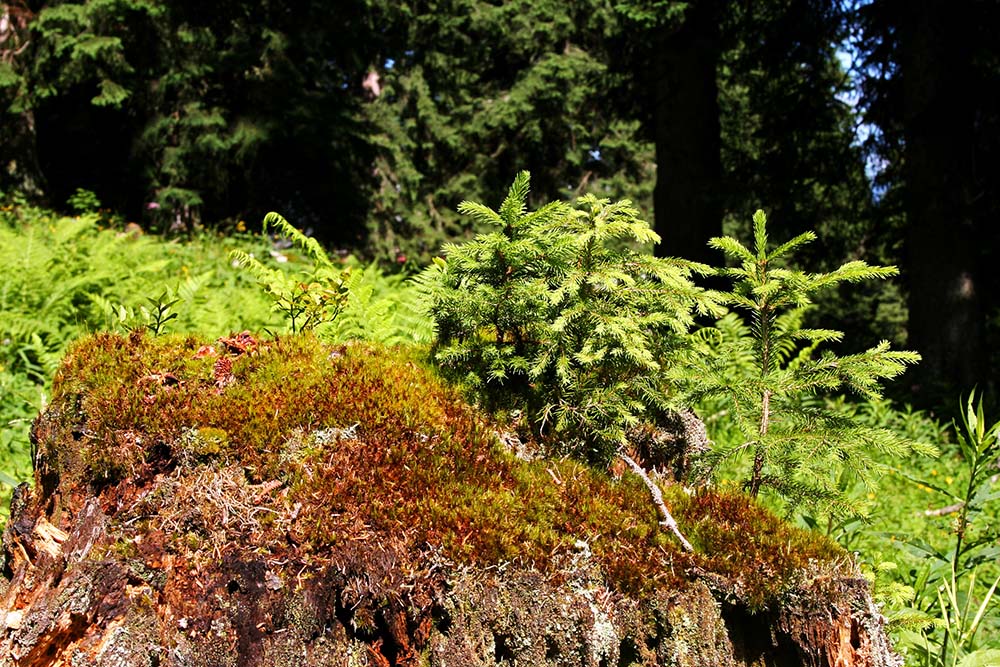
(312, 247)
(192, 286)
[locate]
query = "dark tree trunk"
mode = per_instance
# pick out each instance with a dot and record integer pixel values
(686, 131)
(19, 168)
(946, 318)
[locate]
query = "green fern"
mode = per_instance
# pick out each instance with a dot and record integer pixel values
(61, 278)
(306, 298)
(380, 309)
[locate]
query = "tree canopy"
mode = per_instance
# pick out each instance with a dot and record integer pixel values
(369, 121)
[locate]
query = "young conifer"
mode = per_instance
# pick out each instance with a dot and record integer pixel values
(797, 446)
(553, 313)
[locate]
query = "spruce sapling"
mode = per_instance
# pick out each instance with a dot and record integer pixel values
(795, 445)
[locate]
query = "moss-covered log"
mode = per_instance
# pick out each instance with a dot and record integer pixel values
(289, 503)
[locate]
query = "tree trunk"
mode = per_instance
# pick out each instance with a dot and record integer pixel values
(687, 135)
(359, 546)
(19, 168)
(946, 319)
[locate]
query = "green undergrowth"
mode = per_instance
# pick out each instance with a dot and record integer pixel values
(65, 277)
(365, 444)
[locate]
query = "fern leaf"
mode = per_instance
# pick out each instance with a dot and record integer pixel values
(312, 247)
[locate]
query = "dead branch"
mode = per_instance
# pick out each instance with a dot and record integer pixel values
(945, 510)
(666, 520)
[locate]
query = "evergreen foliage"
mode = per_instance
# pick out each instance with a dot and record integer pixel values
(451, 124)
(552, 312)
(206, 114)
(798, 448)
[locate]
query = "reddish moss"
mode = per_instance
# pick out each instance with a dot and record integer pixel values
(754, 550)
(301, 449)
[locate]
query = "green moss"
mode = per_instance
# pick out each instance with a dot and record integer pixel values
(303, 449)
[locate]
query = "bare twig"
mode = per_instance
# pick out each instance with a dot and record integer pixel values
(666, 520)
(945, 510)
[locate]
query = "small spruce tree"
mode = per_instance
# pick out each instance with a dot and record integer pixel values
(797, 446)
(555, 314)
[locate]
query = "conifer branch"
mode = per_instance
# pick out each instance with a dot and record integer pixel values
(666, 519)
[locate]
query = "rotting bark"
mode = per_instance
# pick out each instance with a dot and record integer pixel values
(153, 608)
(167, 567)
(78, 595)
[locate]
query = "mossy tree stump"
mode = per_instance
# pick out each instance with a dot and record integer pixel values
(290, 503)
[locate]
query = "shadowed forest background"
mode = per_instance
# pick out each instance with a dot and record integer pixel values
(874, 123)
(143, 141)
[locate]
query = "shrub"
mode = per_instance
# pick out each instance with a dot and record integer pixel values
(554, 313)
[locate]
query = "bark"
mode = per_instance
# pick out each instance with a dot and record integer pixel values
(945, 318)
(687, 200)
(19, 168)
(78, 597)
(188, 557)
(84, 585)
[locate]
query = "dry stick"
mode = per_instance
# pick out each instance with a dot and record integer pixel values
(945, 510)
(667, 521)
